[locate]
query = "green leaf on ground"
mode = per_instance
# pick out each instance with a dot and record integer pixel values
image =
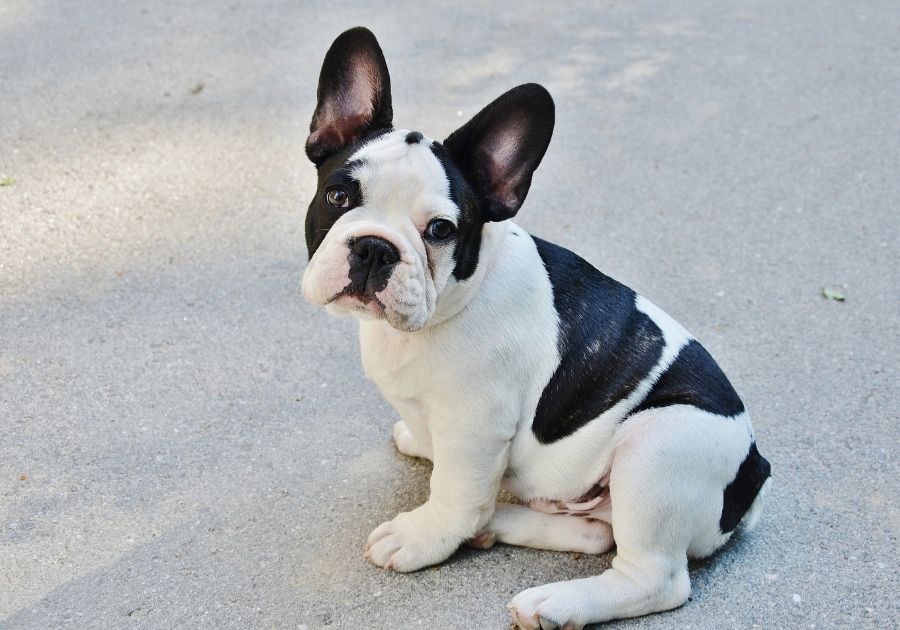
(8, 181)
(833, 294)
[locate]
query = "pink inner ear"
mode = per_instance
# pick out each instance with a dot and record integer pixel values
(501, 165)
(505, 190)
(340, 119)
(338, 132)
(502, 143)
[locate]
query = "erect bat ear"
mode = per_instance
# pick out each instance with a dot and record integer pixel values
(354, 95)
(500, 148)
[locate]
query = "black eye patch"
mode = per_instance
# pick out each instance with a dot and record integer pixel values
(471, 219)
(342, 177)
(321, 215)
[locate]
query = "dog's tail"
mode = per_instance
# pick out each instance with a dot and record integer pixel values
(743, 497)
(751, 518)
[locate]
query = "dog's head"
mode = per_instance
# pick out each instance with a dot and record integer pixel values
(396, 224)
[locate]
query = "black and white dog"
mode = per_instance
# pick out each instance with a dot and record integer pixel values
(514, 363)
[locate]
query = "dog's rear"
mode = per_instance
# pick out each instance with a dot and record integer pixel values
(681, 480)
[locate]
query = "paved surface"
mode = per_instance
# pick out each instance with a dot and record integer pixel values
(185, 443)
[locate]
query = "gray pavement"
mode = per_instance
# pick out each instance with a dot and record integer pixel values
(185, 443)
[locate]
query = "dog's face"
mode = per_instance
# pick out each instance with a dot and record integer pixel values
(386, 231)
(397, 219)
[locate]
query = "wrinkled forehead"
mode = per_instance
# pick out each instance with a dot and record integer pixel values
(399, 172)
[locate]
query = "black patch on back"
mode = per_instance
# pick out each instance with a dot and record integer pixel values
(695, 379)
(740, 493)
(414, 137)
(606, 345)
(471, 219)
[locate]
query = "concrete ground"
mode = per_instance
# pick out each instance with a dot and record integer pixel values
(185, 443)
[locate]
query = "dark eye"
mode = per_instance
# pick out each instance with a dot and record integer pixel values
(337, 197)
(439, 229)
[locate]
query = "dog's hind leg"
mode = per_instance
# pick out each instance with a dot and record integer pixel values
(637, 584)
(666, 485)
(525, 527)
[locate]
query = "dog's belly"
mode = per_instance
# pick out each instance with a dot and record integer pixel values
(568, 470)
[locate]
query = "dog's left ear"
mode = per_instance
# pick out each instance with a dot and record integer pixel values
(354, 95)
(500, 148)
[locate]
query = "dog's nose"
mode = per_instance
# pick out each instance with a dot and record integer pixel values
(372, 259)
(375, 252)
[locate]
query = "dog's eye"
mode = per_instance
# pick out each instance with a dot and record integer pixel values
(439, 229)
(337, 197)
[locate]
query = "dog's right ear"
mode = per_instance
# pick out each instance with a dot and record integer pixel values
(354, 95)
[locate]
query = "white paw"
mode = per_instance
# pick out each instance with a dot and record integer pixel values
(406, 443)
(484, 540)
(549, 607)
(411, 541)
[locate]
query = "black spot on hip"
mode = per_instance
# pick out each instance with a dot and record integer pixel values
(694, 378)
(741, 492)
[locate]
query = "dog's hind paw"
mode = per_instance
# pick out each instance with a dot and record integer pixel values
(541, 608)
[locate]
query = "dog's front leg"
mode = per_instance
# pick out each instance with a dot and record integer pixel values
(468, 466)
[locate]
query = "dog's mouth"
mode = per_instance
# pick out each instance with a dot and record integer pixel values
(357, 301)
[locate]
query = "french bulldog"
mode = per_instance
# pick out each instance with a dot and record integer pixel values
(513, 363)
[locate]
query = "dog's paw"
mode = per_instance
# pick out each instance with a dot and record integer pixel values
(484, 540)
(406, 443)
(547, 607)
(412, 541)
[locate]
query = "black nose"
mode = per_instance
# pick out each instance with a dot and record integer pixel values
(372, 259)
(374, 251)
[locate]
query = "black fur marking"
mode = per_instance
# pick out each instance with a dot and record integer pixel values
(489, 162)
(414, 137)
(471, 219)
(606, 345)
(740, 493)
(695, 379)
(334, 171)
(353, 97)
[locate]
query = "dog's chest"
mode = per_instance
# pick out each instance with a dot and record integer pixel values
(392, 360)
